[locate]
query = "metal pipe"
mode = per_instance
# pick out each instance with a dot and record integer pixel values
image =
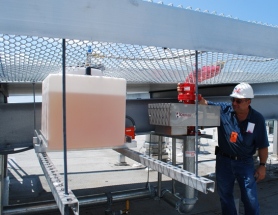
(187, 203)
(189, 162)
(34, 99)
(64, 117)
(132, 194)
(174, 161)
(159, 175)
(275, 139)
(103, 198)
(5, 199)
(2, 193)
(182, 205)
(196, 112)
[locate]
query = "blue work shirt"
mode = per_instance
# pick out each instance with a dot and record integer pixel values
(247, 142)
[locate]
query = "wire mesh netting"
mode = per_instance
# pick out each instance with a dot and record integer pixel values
(31, 59)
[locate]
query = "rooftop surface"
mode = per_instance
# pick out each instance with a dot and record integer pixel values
(97, 171)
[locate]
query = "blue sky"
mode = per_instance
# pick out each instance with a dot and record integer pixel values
(264, 11)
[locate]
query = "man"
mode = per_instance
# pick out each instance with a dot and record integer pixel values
(241, 133)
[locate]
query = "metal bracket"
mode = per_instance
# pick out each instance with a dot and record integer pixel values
(199, 183)
(55, 182)
(57, 186)
(39, 142)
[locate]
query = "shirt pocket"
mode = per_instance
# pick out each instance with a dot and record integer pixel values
(248, 139)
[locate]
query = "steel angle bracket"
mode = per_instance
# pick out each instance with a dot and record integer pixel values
(56, 185)
(199, 183)
(39, 142)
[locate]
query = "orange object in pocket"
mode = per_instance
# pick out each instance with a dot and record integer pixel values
(233, 137)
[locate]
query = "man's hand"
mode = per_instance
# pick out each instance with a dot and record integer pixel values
(260, 173)
(203, 101)
(261, 170)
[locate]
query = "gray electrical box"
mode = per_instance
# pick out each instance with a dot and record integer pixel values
(174, 118)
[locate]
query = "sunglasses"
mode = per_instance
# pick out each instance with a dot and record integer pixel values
(238, 101)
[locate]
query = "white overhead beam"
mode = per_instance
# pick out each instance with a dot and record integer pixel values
(137, 22)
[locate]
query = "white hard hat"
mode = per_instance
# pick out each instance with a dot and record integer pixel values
(242, 90)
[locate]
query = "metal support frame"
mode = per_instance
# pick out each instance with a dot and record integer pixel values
(159, 175)
(56, 185)
(50, 207)
(275, 140)
(189, 155)
(174, 161)
(199, 183)
(4, 183)
(2, 173)
(190, 163)
(64, 200)
(164, 22)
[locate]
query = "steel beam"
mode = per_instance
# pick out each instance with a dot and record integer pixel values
(64, 201)
(199, 183)
(122, 22)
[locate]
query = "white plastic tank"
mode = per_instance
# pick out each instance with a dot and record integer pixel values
(95, 111)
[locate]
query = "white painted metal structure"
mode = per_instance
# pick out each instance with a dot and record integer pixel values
(199, 183)
(137, 22)
(137, 40)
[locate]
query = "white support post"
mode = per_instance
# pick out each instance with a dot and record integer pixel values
(2, 182)
(275, 141)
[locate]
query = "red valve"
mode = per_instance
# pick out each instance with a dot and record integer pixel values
(186, 90)
(186, 93)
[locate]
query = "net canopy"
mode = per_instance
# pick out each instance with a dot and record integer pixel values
(31, 59)
(143, 42)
